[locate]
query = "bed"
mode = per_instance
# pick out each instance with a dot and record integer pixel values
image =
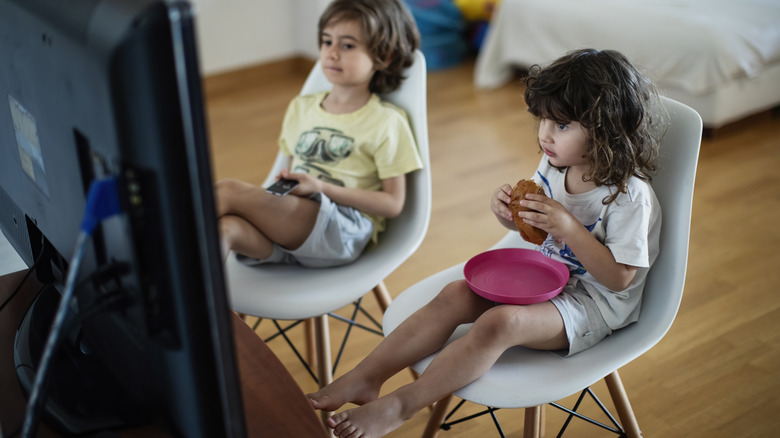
(721, 57)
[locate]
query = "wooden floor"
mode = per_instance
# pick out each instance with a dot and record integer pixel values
(715, 374)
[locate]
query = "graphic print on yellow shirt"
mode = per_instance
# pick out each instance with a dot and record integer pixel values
(323, 145)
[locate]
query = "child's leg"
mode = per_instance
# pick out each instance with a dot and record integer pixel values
(286, 220)
(458, 364)
(238, 235)
(420, 335)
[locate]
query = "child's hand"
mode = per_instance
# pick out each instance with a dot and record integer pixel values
(499, 204)
(307, 184)
(550, 216)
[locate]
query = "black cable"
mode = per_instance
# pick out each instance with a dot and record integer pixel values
(105, 302)
(34, 404)
(102, 202)
(96, 307)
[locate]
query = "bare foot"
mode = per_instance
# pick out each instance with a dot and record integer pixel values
(349, 388)
(372, 420)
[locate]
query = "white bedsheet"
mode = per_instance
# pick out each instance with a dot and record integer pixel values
(692, 45)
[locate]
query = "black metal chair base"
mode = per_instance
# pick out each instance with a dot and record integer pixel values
(614, 428)
(351, 322)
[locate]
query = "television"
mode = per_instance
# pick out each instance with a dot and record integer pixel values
(111, 89)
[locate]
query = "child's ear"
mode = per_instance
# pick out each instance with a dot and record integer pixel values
(384, 64)
(381, 65)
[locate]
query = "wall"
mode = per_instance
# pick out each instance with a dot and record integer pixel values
(238, 33)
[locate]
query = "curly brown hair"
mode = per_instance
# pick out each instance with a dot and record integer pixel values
(391, 36)
(616, 104)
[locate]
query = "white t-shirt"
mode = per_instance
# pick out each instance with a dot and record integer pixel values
(629, 226)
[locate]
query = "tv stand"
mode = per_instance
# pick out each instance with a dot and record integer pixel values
(99, 402)
(273, 402)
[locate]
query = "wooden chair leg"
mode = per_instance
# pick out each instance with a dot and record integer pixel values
(311, 342)
(382, 296)
(437, 417)
(532, 426)
(324, 371)
(622, 405)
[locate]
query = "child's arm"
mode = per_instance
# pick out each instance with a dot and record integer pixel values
(552, 217)
(387, 202)
(499, 204)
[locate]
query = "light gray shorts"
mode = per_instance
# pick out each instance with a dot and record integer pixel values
(585, 326)
(339, 236)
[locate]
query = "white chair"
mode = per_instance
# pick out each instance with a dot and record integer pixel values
(524, 378)
(284, 292)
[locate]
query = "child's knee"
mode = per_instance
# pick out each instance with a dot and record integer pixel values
(229, 228)
(455, 292)
(497, 323)
(224, 187)
(222, 190)
(457, 299)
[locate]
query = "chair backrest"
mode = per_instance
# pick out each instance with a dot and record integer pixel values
(673, 184)
(405, 233)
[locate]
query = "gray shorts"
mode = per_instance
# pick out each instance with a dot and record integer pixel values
(585, 326)
(339, 236)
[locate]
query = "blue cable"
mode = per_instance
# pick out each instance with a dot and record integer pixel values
(102, 202)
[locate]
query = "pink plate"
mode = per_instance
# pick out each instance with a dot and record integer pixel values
(515, 276)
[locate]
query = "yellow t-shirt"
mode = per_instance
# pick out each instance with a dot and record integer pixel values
(356, 150)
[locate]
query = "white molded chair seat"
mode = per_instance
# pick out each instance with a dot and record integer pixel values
(524, 378)
(288, 292)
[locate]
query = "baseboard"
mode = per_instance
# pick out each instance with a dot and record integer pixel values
(235, 80)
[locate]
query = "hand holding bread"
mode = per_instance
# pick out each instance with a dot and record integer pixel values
(528, 232)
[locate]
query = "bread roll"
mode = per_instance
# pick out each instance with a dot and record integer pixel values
(528, 232)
